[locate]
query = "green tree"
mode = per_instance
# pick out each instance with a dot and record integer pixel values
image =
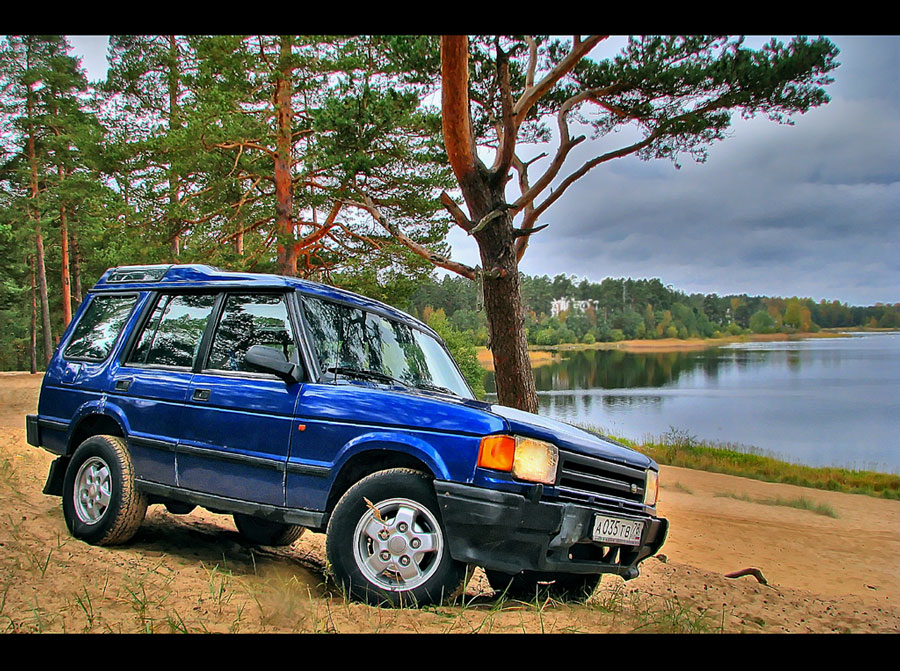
(761, 322)
(44, 135)
(462, 349)
(679, 93)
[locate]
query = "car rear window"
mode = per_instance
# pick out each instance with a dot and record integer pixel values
(172, 334)
(99, 327)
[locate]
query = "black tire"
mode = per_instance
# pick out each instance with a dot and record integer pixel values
(530, 585)
(101, 504)
(388, 569)
(264, 532)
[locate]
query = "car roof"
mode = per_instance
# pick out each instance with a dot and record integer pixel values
(200, 276)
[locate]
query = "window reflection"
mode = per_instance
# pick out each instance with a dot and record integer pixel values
(349, 338)
(99, 327)
(247, 321)
(172, 334)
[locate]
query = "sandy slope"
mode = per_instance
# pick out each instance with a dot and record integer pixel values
(193, 572)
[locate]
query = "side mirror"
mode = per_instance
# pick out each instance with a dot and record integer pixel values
(271, 360)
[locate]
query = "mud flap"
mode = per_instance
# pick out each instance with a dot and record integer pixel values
(54, 486)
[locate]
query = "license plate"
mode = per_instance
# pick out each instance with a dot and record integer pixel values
(617, 531)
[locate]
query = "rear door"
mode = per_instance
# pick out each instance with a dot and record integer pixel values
(152, 384)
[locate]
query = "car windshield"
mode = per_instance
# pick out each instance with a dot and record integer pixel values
(354, 343)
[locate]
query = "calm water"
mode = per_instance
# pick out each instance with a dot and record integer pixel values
(817, 402)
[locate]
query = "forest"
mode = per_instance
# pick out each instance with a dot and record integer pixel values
(312, 156)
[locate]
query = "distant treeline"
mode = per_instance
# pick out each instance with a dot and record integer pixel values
(619, 309)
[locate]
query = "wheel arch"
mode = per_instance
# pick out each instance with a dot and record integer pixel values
(95, 424)
(379, 455)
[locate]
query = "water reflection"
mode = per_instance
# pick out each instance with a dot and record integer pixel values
(618, 369)
(819, 402)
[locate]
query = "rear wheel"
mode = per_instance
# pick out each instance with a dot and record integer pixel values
(263, 532)
(386, 544)
(101, 504)
(531, 585)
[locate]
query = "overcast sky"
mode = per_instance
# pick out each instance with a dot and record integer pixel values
(809, 210)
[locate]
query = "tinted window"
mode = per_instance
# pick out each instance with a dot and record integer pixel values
(99, 327)
(172, 335)
(348, 339)
(251, 320)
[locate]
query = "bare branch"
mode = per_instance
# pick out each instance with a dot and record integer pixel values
(438, 260)
(532, 61)
(533, 93)
(507, 129)
(458, 215)
(578, 174)
(566, 144)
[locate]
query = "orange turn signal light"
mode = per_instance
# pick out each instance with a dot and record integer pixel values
(497, 452)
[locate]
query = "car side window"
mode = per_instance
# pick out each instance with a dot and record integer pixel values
(171, 337)
(99, 327)
(247, 320)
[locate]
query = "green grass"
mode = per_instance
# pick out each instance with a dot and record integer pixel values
(801, 502)
(679, 448)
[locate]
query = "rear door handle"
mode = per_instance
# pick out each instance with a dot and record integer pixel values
(123, 384)
(200, 395)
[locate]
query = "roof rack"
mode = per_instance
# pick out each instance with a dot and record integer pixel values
(138, 274)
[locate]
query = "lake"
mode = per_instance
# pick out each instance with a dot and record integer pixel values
(820, 402)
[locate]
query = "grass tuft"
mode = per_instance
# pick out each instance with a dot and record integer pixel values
(800, 502)
(679, 448)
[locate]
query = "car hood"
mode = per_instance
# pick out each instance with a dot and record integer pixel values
(569, 437)
(368, 403)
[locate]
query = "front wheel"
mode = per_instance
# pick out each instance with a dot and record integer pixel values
(531, 585)
(101, 504)
(386, 544)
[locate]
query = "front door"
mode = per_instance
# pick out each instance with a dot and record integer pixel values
(238, 421)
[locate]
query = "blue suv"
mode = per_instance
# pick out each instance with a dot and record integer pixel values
(292, 405)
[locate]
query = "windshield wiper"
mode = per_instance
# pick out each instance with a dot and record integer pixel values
(365, 374)
(433, 387)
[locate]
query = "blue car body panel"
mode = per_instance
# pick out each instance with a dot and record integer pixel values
(257, 437)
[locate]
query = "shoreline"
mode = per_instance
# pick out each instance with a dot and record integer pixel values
(542, 355)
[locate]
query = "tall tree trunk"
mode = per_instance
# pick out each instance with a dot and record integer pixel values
(284, 197)
(492, 227)
(76, 268)
(174, 125)
(506, 317)
(64, 270)
(39, 242)
(45, 307)
(32, 345)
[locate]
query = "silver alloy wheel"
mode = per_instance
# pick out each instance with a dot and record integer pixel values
(402, 550)
(93, 486)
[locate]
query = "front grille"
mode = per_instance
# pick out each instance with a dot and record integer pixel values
(590, 479)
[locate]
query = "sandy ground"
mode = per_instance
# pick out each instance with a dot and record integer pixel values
(193, 573)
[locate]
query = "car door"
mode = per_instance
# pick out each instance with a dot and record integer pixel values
(151, 385)
(237, 424)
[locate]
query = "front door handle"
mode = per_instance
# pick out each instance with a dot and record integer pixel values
(200, 395)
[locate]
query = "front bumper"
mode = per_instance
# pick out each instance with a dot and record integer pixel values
(507, 532)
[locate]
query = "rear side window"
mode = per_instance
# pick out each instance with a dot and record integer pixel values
(172, 335)
(99, 327)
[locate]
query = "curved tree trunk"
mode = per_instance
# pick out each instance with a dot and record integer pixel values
(491, 225)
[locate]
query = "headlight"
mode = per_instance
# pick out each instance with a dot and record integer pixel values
(526, 458)
(651, 488)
